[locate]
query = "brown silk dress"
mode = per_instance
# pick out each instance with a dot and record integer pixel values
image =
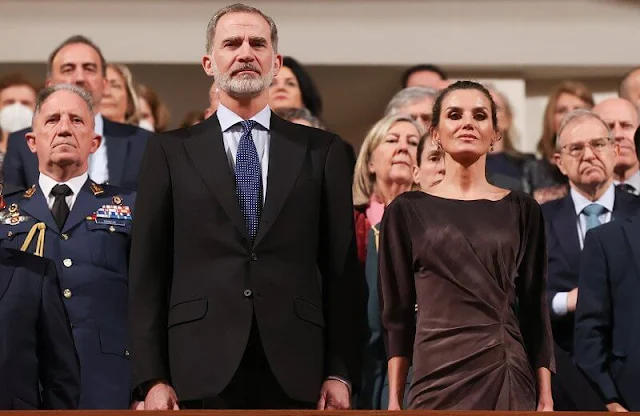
(477, 271)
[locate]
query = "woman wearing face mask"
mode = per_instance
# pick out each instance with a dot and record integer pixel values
(120, 102)
(154, 115)
(383, 171)
(17, 102)
(473, 258)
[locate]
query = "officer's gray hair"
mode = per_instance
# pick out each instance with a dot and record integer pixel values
(580, 114)
(45, 93)
(408, 96)
(240, 8)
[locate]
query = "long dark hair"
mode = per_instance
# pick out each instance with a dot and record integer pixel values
(308, 90)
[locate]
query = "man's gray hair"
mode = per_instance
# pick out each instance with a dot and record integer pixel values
(408, 96)
(579, 114)
(45, 93)
(239, 8)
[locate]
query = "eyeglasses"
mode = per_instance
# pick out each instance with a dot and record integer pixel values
(577, 149)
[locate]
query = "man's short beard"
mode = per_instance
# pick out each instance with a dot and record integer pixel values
(243, 86)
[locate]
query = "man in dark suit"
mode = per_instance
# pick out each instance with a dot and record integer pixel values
(117, 161)
(85, 229)
(243, 289)
(607, 348)
(37, 346)
(605, 343)
(586, 154)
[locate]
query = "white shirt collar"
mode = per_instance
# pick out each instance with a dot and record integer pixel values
(99, 127)
(228, 118)
(606, 200)
(47, 183)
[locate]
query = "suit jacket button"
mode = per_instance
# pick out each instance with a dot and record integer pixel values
(126, 353)
(67, 262)
(247, 293)
(66, 293)
(64, 236)
(254, 257)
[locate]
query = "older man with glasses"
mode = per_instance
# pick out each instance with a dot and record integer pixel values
(586, 153)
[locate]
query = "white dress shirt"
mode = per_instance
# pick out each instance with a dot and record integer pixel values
(98, 162)
(559, 302)
(47, 183)
(633, 181)
(232, 132)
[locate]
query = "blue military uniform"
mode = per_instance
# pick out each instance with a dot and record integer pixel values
(91, 253)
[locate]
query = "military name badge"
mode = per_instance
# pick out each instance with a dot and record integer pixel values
(112, 215)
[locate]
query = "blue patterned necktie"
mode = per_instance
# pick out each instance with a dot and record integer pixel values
(593, 211)
(249, 179)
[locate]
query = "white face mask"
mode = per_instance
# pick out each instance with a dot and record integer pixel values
(15, 117)
(146, 124)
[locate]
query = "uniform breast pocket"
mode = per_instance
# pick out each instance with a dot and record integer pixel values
(13, 236)
(110, 245)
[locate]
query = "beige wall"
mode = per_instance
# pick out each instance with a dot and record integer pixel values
(355, 49)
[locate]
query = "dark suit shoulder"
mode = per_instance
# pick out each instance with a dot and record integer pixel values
(113, 129)
(549, 209)
(315, 136)
(615, 228)
(626, 198)
(19, 135)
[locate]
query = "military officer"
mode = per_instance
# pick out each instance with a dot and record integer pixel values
(85, 229)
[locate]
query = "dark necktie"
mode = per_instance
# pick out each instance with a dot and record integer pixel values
(60, 208)
(249, 179)
(627, 188)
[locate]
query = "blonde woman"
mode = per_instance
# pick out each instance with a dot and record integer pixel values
(541, 177)
(384, 170)
(119, 102)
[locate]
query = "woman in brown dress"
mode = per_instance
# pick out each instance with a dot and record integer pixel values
(472, 257)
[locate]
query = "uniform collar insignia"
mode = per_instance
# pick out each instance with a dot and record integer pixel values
(29, 192)
(96, 189)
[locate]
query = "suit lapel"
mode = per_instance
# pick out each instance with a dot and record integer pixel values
(116, 153)
(6, 271)
(37, 207)
(566, 227)
(81, 207)
(621, 205)
(205, 147)
(286, 154)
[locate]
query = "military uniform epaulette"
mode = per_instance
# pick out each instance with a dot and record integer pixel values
(100, 191)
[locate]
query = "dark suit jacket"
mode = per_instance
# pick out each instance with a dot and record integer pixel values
(299, 278)
(37, 346)
(125, 148)
(93, 260)
(564, 254)
(607, 331)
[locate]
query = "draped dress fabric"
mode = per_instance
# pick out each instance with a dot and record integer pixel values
(477, 271)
